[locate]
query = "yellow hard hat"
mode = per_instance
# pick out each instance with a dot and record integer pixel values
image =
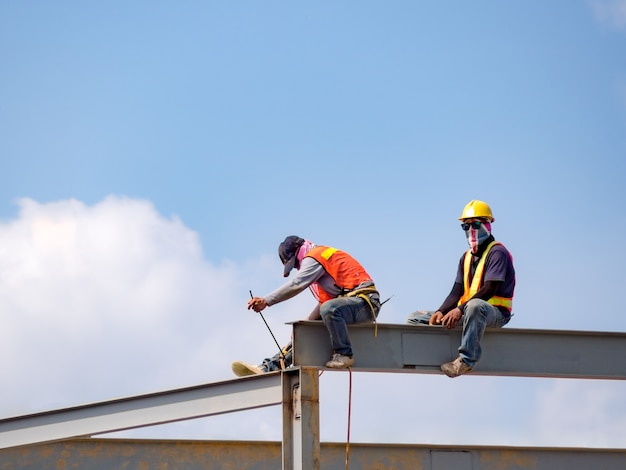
(478, 209)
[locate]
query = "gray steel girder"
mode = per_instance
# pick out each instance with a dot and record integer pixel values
(506, 351)
(144, 410)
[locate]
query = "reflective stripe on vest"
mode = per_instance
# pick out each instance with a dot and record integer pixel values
(470, 290)
(343, 268)
(328, 252)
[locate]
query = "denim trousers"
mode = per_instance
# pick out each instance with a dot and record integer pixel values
(336, 314)
(477, 315)
(342, 311)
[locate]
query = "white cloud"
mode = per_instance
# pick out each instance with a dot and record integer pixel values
(610, 12)
(114, 300)
(111, 300)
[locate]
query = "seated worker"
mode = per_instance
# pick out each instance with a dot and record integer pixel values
(482, 294)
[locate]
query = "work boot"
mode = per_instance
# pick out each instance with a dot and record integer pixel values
(455, 368)
(339, 361)
(241, 369)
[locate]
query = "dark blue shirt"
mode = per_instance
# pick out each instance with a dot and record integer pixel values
(498, 267)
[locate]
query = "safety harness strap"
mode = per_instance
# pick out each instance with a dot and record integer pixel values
(364, 293)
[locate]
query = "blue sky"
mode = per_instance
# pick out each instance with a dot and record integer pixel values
(154, 154)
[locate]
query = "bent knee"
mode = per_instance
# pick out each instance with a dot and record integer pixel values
(326, 311)
(474, 306)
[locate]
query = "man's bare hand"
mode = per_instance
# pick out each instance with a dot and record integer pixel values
(435, 319)
(451, 318)
(257, 304)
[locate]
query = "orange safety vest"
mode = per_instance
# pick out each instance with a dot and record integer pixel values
(470, 290)
(343, 268)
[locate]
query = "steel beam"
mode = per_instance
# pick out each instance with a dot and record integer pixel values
(301, 421)
(506, 351)
(105, 454)
(396, 348)
(145, 410)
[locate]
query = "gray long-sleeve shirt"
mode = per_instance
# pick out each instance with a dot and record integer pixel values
(310, 271)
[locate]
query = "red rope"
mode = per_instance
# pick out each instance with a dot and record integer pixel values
(349, 418)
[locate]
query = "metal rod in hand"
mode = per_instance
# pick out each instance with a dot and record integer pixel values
(280, 351)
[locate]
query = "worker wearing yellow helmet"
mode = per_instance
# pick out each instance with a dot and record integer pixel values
(477, 209)
(482, 294)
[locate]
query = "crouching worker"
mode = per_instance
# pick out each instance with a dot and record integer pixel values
(345, 292)
(482, 295)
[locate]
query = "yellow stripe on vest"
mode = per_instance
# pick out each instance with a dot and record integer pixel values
(328, 252)
(501, 302)
(469, 290)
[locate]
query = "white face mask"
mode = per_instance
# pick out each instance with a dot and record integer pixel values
(475, 236)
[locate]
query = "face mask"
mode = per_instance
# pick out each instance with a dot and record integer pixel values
(475, 236)
(304, 249)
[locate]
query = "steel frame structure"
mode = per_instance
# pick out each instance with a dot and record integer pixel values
(396, 348)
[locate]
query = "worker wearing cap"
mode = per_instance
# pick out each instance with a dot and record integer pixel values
(345, 292)
(482, 295)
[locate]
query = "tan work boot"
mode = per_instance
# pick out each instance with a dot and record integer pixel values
(455, 368)
(241, 369)
(339, 361)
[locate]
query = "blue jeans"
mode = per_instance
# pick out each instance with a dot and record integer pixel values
(336, 314)
(342, 311)
(477, 315)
